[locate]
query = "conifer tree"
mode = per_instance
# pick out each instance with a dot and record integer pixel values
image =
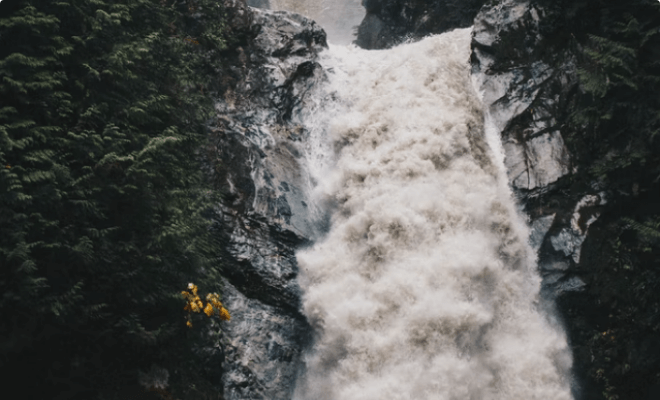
(617, 107)
(102, 200)
(614, 135)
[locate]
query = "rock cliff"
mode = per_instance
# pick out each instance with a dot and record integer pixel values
(256, 160)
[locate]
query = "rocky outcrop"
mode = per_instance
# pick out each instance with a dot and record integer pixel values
(390, 22)
(527, 79)
(256, 158)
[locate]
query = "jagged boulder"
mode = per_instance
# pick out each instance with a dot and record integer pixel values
(527, 81)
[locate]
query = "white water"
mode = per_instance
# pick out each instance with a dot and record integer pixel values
(339, 18)
(425, 286)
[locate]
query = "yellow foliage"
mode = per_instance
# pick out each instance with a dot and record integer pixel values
(224, 314)
(208, 310)
(195, 304)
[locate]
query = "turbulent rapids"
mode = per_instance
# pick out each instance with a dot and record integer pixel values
(424, 287)
(338, 17)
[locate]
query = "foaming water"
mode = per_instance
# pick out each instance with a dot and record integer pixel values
(339, 18)
(424, 287)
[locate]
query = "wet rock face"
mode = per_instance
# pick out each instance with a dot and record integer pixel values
(262, 349)
(256, 158)
(390, 22)
(527, 79)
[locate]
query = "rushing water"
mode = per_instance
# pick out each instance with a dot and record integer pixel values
(424, 287)
(339, 18)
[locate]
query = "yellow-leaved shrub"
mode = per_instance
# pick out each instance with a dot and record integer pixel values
(195, 304)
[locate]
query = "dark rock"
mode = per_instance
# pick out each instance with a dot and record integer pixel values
(256, 157)
(540, 228)
(263, 349)
(390, 22)
(525, 89)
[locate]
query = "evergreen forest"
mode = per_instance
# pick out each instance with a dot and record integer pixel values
(613, 127)
(103, 205)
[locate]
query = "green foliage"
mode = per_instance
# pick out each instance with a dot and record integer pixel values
(102, 200)
(616, 120)
(613, 134)
(648, 231)
(608, 394)
(625, 280)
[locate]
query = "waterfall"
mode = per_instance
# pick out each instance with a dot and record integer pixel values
(424, 285)
(339, 18)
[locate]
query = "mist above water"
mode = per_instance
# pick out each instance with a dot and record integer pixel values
(339, 18)
(425, 286)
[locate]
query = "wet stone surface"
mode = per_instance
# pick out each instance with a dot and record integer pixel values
(256, 158)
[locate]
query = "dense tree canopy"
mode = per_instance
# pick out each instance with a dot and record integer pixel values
(616, 121)
(614, 133)
(102, 202)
